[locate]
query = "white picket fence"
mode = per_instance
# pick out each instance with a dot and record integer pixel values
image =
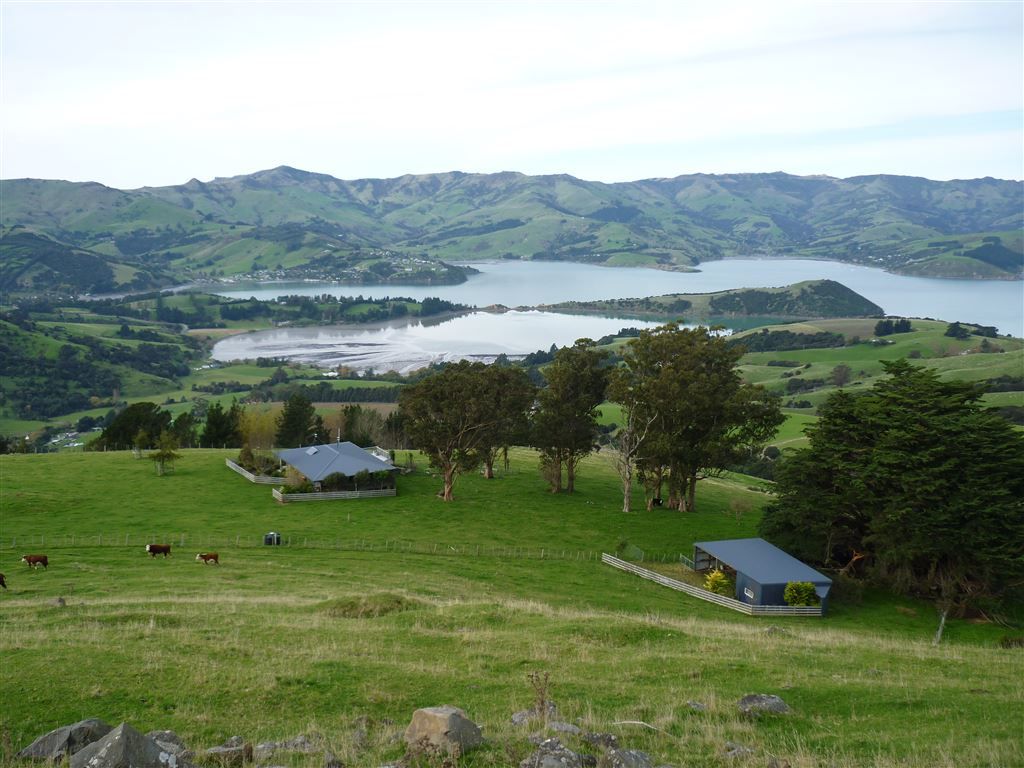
(288, 498)
(260, 479)
(711, 597)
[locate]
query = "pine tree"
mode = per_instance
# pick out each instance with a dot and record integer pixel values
(298, 423)
(916, 477)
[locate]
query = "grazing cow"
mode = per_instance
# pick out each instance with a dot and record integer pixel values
(158, 549)
(33, 560)
(209, 557)
(3, 581)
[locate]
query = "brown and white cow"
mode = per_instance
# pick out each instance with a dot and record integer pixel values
(35, 560)
(209, 557)
(158, 549)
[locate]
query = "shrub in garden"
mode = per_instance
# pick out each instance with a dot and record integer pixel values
(720, 584)
(800, 593)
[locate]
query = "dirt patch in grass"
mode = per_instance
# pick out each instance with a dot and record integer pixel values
(367, 606)
(676, 571)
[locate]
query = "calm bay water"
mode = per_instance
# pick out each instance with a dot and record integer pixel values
(407, 346)
(517, 284)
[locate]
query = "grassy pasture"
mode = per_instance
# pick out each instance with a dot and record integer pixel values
(279, 641)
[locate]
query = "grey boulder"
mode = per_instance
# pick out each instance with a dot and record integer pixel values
(444, 730)
(125, 747)
(551, 753)
(756, 703)
(169, 741)
(234, 751)
(66, 740)
(625, 758)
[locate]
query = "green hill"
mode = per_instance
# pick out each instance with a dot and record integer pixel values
(290, 223)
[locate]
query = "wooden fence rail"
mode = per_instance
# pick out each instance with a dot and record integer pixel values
(259, 479)
(289, 498)
(711, 597)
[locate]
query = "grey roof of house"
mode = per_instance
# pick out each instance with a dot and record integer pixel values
(318, 461)
(763, 562)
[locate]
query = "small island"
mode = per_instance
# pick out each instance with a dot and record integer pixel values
(811, 299)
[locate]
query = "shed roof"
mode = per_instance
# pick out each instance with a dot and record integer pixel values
(318, 461)
(763, 562)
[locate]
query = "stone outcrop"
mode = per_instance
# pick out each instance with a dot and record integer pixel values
(65, 741)
(444, 730)
(551, 753)
(169, 741)
(233, 752)
(125, 747)
(754, 704)
(625, 758)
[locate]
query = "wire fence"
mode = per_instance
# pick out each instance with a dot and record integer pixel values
(212, 542)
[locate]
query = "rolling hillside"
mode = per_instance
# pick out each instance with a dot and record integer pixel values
(290, 223)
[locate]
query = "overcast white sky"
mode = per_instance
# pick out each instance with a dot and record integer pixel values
(133, 94)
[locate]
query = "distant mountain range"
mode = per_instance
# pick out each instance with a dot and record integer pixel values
(285, 223)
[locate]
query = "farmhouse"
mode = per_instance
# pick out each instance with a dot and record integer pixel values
(762, 570)
(338, 464)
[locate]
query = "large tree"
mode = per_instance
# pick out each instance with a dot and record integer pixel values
(565, 422)
(223, 427)
(685, 381)
(447, 417)
(637, 419)
(148, 418)
(510, 395)
(917, 482)
(298, 423)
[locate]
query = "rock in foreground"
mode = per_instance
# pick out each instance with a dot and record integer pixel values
(65, 741)
(445, 730)
(125, 747)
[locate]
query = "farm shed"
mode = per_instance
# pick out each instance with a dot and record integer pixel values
(318, 462)
(762, 570)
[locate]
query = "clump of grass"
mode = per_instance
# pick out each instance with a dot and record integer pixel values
(367, 606)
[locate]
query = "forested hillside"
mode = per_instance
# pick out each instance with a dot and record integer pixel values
(290, 223)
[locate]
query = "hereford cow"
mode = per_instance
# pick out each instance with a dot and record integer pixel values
(35, 560)
(158, 549)
(209, 557)
(3, 581)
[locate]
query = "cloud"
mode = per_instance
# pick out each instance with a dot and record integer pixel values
(147, 94)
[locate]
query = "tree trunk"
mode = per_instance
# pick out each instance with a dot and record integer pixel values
(449, 483)
(489, 467)
(627, 487)
(691, 494)
(570, 475)
(942, 625)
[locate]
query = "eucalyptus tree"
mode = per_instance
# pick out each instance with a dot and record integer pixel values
(565, 422)
(637, 420)
(509, 394)
(702, 415)
(447, 416)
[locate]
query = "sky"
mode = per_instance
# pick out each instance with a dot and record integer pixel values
(135, 94)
